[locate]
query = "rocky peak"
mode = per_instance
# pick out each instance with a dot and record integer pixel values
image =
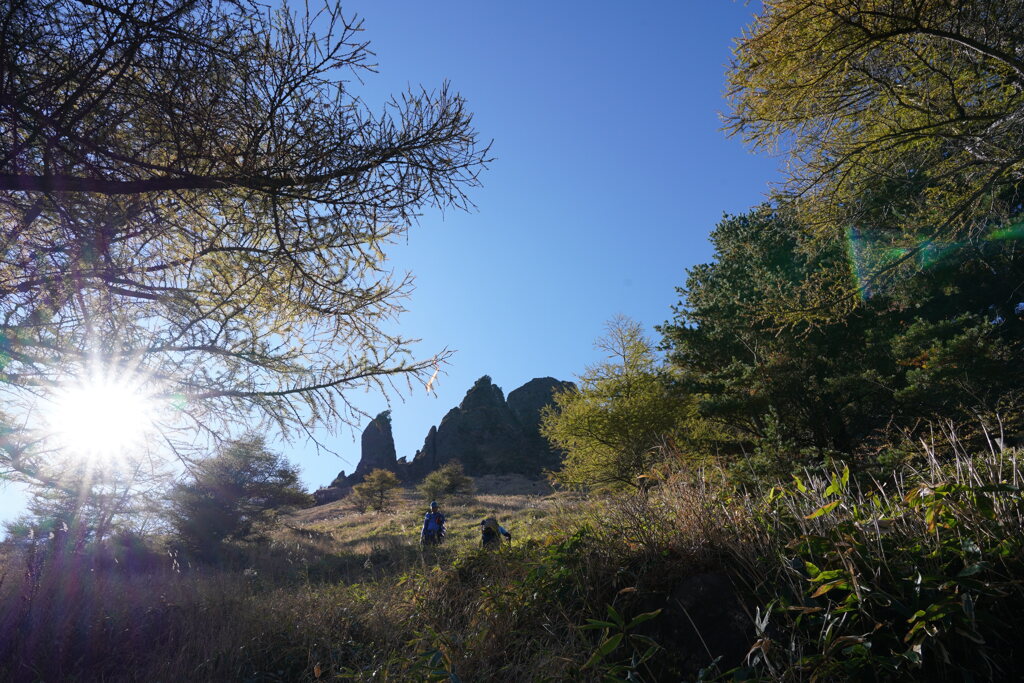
(378, 447)
(486, 433)
(482, 433)
(483, 394)
(527, 401)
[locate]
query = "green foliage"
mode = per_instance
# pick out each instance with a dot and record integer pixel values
(613, 425)
(936, 348)
(899, 582)
(232, 494)
(963, 365)
(376, 491)
(617, 633)
(448, 480)
(556, 576)
(897, 115)
(784, 388)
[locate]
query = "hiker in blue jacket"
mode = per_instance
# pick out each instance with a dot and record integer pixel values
(434, 529)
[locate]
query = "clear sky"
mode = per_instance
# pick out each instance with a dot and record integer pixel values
(610, 170)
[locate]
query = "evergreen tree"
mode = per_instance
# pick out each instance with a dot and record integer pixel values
(233, 494)
(612, 426)
(937, 347)
(377, 490)
(447, 480)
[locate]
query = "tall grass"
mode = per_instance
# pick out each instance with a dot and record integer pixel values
(914, 577)
(825, 577)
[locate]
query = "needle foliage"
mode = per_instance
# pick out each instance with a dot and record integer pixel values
(192, 193)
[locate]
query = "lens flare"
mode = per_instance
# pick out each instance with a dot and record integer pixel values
(1012, 232)
(855, 255)
(869, 254)
(930, 252)
(100, 417)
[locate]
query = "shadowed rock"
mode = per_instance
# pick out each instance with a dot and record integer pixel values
(330, 494)
(482, 433)
(486, 433)
(526, 404)
(377, 448)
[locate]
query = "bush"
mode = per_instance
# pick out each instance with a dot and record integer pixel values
(376, 491)
(447, 480)
(914, 578)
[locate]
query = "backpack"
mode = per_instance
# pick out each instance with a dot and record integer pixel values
(489, 530)
(434, 523)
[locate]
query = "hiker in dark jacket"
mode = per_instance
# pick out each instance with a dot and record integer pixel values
(491, 533)
(434, 529)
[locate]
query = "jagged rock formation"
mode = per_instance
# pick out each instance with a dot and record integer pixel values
(426, 459)
(482, 433)
(490, 435)
(526, 403)
(339, 480)
(378, 451)
(378, 447)
(486, 433)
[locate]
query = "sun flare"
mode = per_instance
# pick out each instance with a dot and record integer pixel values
(100, 417)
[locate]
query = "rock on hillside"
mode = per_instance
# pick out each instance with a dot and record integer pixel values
(482, 433)
(490, 435)
(378, 451)
(526, 402)
(486, 433)
(377, 447)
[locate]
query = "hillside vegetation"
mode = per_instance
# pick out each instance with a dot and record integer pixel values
(828, 577)
(813, 475)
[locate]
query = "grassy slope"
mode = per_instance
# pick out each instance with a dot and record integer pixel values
(353, 546)
(917, 577)
(331, 592)
(352, 531)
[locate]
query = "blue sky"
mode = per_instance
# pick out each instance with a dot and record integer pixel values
(610, 170)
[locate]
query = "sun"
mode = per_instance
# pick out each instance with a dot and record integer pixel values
(100, 417)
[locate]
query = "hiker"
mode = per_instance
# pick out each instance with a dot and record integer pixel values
(491, 533)
(434, 529)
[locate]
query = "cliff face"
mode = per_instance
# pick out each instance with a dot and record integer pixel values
(377, 447)
(526, 402)
(486, 433)
(482, 433)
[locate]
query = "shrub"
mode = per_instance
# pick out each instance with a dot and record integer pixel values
(914, 578)
(376, 490)
(447, 480)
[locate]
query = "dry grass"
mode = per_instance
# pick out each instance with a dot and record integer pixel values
(334, 593)
(330, 590)
(337, 527)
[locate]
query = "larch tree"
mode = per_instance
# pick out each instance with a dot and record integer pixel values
(376, 490)
(900, 120)
(192, 196)
(612, 426)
